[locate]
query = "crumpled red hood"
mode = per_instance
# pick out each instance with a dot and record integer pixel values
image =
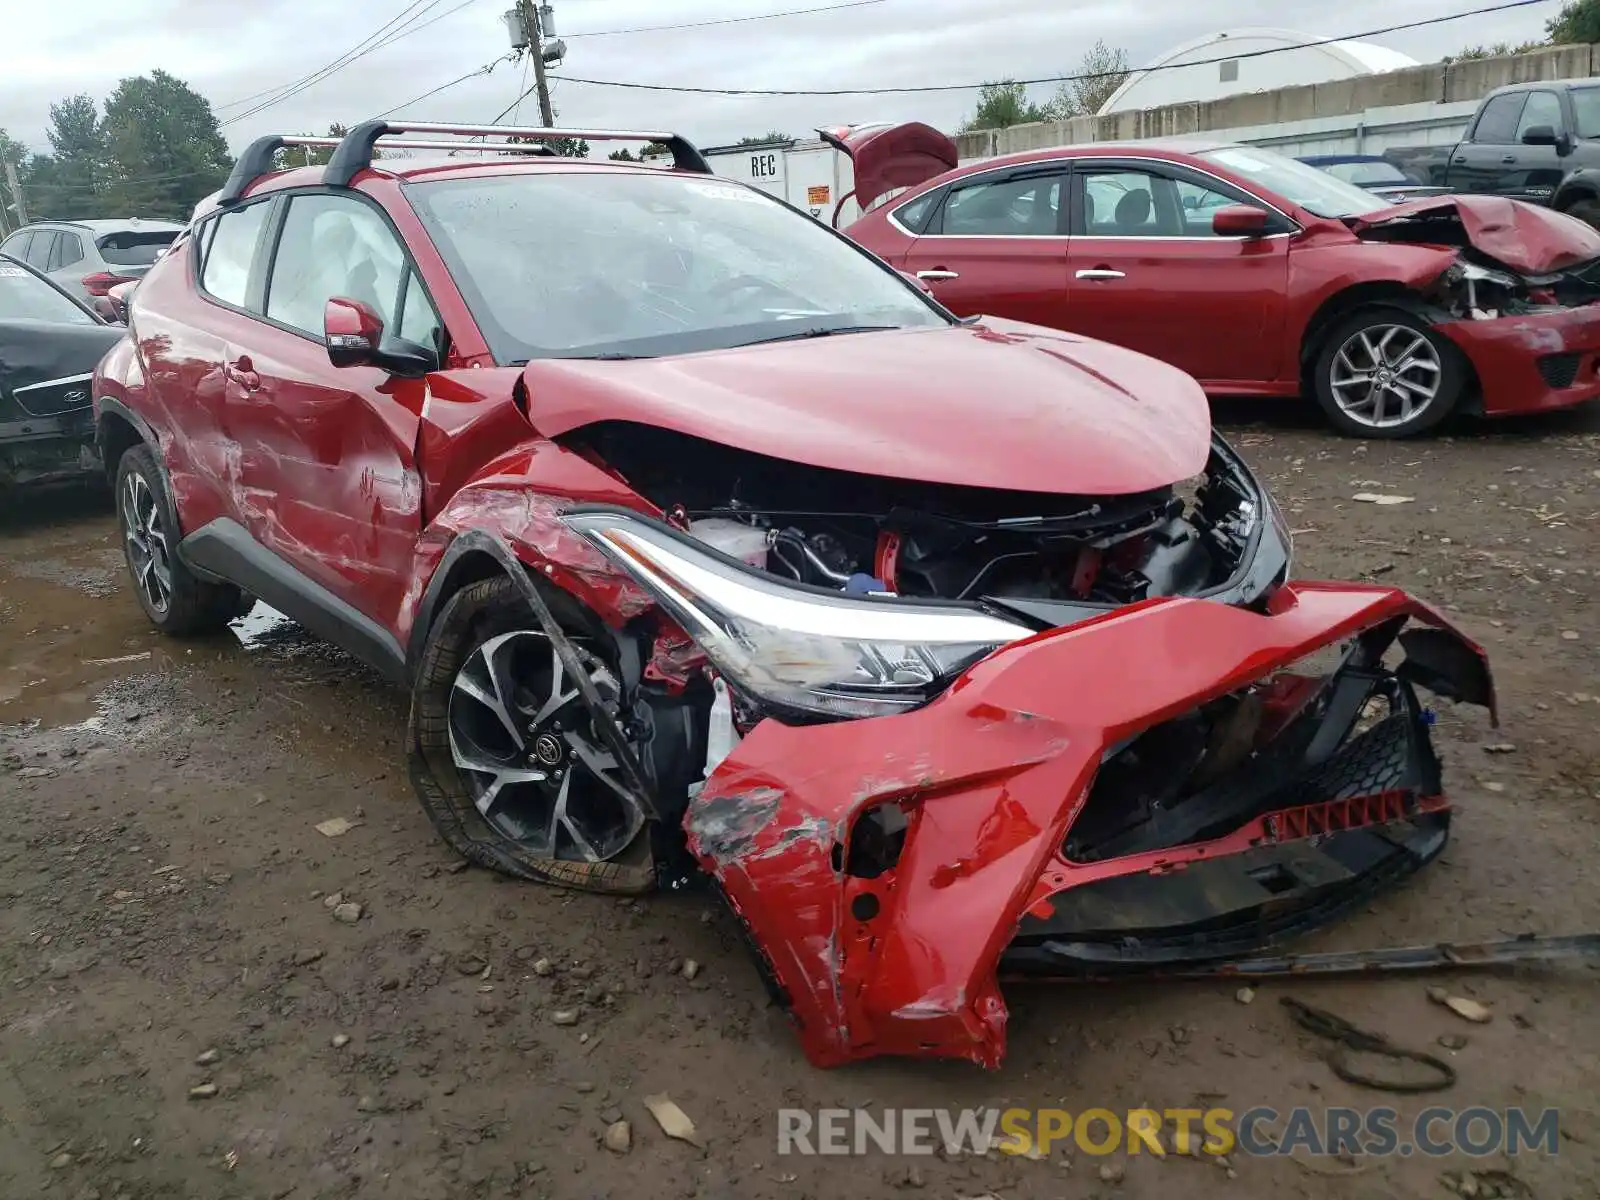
(886, 157)
(993, 405)
(1525, 237)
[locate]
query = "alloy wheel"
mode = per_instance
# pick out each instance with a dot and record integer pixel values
(1385, 375)
(145, 538)
(523, 739)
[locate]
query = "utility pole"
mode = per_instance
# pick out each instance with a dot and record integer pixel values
(535, 35)
(16, 190)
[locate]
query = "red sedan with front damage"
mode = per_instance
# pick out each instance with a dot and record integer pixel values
(1258, 275)
(711, 549)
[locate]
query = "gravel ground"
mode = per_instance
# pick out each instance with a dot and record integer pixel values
(364, 1018)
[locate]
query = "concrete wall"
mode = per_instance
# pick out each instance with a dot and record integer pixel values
(1424, 105)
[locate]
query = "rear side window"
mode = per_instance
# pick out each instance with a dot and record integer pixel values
(1498, 124)
(68, 251)
(914, 216)
(226, 272)
(1025, 207)
(44, 245)
(135, 248)
(17, 244)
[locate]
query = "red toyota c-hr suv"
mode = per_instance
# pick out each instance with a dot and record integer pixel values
(711, 546)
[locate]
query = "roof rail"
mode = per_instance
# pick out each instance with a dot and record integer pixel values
(354, 154)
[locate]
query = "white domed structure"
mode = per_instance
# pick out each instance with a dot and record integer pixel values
(1231, 62)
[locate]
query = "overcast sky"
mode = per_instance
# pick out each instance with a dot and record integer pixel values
(229, 51)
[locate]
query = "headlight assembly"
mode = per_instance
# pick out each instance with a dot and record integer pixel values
(805, 650)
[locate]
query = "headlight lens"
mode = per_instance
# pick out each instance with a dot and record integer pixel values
(797, 648)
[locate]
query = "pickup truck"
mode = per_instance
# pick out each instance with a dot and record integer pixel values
(1526, 141)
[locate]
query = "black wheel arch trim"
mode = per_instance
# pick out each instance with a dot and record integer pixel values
(108, 406)
(224, 551)
(439, 591)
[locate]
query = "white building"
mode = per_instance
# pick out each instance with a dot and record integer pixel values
(1225, 64)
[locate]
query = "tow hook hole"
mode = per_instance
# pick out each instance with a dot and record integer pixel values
(865, 906)
(876, 841)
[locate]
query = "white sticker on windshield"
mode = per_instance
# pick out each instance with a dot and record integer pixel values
(721, 191)
(12, 273)
(1239, 160)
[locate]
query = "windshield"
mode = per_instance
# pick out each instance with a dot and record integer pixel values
(25, 297)
(132, 248)
(1372, 171)
(594, 263)
(1586, 108)
(1313, 190)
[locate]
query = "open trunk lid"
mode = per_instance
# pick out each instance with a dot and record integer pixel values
(886, 157)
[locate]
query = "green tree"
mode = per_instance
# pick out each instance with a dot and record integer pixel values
(1495, 51)
(1003, 104)
(67, 183)
(164, 148)
(765, 139)
(623, 155)
(1102, 71)
(1578, 21)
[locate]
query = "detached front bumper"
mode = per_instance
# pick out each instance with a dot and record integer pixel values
(1533, 362)
(887, 869)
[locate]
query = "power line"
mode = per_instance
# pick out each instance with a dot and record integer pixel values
(483, 70)
(406, 15)
(795, 12)
(1092, 75)
(388, 41)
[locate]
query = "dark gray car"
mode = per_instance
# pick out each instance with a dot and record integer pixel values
(89, 258)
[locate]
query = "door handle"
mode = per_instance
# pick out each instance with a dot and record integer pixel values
(1460, 158)
(242, 372)
(1510, 158)
(936, 275)
(1101, 273)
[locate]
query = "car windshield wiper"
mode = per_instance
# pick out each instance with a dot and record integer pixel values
(821, 331)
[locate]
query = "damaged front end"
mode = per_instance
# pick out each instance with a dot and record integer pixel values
(1518, 301)
(906, 794)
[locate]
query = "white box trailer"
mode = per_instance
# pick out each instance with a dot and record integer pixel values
(812, 175)
(823, 175)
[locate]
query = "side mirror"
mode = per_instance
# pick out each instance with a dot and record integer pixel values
(352, 332)
(1239, 220)
(920, 284)
(1565, 144)
(1539, 135)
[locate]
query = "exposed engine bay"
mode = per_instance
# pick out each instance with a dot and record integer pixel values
(1476, 288)
(868, 534)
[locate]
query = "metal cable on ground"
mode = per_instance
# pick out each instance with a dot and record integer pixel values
(1085, 76)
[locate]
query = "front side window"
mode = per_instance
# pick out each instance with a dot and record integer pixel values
(26, 297)
(333, 246)
(1543, 108)
(418, 322)
(1026, 207)
(599, 263)
(1497, 124)
(1313, 190)
(230, 251)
